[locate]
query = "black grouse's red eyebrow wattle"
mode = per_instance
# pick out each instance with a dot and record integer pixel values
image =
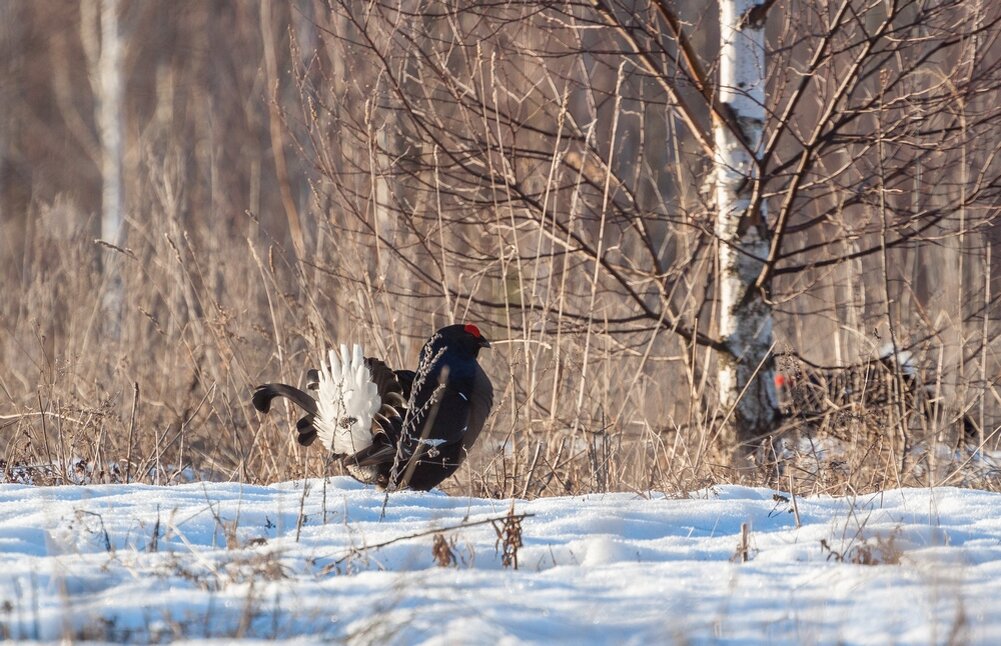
(472, 329)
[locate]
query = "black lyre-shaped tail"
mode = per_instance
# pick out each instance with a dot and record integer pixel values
(264, 394)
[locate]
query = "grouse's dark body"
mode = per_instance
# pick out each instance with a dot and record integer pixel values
(876, 388)
(399, 428)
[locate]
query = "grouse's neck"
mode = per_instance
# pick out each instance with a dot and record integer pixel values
(461, 362)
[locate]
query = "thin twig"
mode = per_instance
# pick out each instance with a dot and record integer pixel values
(355, 551)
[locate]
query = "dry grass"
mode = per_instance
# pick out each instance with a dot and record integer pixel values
(166, 398)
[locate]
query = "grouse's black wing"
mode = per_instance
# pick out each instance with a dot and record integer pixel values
(481, 400)
(452, 408)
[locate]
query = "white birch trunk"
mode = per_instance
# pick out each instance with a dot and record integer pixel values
(109, 121)
(747, 389)
(105, 57)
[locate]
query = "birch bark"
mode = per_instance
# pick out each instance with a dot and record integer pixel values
(102, 41)
(109, 120)
(746, 376)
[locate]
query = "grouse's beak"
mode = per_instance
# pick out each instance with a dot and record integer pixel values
(484, 343)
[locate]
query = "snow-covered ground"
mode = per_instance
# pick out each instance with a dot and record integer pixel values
(224, 561)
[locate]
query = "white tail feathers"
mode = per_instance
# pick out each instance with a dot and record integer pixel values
(346, 402)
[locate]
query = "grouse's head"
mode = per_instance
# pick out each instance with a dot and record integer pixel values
(464, 337)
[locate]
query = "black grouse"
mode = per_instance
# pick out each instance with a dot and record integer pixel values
(395, 428)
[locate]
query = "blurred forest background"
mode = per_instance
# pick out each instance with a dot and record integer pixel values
(196, 197)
